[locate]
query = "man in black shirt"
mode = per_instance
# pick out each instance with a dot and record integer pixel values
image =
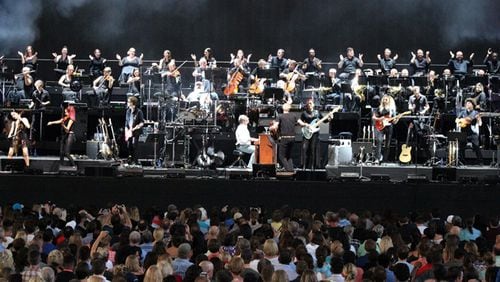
(458, 65)
(349, 64)
(419, 63)
(471, 121)
(491, 62)
(134, 121)
(310, 147)
(312, 66)
(97, 64)
(286, 128)
(279, 61)
(417, 103)
(39, 99)
(387, 62)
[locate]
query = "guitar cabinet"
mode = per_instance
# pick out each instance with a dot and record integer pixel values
(339, 155)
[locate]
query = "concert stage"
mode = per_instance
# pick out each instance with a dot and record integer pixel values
(404, 188)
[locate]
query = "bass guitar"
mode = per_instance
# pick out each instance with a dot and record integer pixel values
(313, 127)
(381, 124)
(405, 156)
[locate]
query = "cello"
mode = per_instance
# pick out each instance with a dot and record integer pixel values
(234, 81)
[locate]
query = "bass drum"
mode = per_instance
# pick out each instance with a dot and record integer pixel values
(186, 116)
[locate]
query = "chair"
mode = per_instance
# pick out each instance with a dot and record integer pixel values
(239, 162)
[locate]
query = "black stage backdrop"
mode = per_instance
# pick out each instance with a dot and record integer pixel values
(257, 26)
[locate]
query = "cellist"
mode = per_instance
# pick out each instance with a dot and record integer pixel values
(291, 79)
(237, 77)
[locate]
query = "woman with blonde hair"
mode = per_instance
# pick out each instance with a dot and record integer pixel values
(158, 235)
(133, 266)
(153, 274)
(55, 260)
(279, 276)
(271, 250)
(165, 268)
(349, 272)
(381, 118)
(308, 276)
(385, 244)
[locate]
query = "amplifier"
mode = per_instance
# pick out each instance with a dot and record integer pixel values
(92, 149)
(339, 155)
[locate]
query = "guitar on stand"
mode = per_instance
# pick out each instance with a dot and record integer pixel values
(308, 131)
(405, 156)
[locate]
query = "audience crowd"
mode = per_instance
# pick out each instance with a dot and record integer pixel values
(45, 242)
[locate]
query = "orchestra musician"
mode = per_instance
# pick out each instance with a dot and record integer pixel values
(386, 63)
(97, 64)
(312, 67)
(279, 61)
(103, 86)
(479, 97)
(348, 64)
(244, 69)
(285, 126)
(200, 74)
(244, 61)
(65, 81)
(134, 83)
(208, 55)
(353, 101)
(134, 121)
(128, 64)
(67, 134)
(491, 62)
(334, 83)
(291, 80)
(458, 65)
(29, 58)
(387, 109)
(18, 136)
(310, 154)
(167, 58)
(172, 79)
(257, 83)
(419, 63)
(23, 87)
(470, 120)
(63, 60)
(244, 140)
(419, 106)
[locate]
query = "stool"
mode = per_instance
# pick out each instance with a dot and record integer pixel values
(239, 162)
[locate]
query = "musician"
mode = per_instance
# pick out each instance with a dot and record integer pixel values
(348, 65)
(65, 81)
(39, 100)
(419, 63)
(334, 83)
(244, 61)
(40, 97)
(286, 129)
(197, 93)
(244, 140)
(387, 62)
(67, 134)
(29, 58)
(63, 60)
(103, 86)
(432, 83)
(312, 67)
(208, 55)
(134, 121)
(471, 121)
(387, 109)
(97, 64)
(18, 136)
(417, 103)
(491, 62)
(167, 58)
(479, 97)
(199, 74)
(310, 154)
(244, 69)
(353, 100)
(291, 79)
(172, 79)
(134, 83)
(279, 61)
(23, 87)
(128, 64)
(457, 64)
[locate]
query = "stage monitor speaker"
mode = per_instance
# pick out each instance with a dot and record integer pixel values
(339, 155)
(99, 171)
(13, 165)
(264, 170)
(92, 149)
(446, 174)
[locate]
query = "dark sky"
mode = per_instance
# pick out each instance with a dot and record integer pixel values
(257, 26)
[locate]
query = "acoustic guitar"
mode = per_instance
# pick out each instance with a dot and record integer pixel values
(405, 156)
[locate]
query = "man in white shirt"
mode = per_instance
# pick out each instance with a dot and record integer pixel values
(244, 140)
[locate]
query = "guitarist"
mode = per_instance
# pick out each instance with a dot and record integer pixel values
(134, 121)
(310, 156)
(471, 118)
(387, 109)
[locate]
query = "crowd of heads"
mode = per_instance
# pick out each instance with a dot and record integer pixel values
(45, 242)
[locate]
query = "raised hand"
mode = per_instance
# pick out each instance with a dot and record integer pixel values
(232, 56)
(20, 53)
(427, 53)
(379, 57)
(141, 56)
(118, 57)
(360, 55)
(396, 57)
(471, 56)
(193, 56)
(341, 57)
(54, 55)
(413, 56)
(490, 51)
(90, 57)
(452, 55)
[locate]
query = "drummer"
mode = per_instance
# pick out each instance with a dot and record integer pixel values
(199, 95)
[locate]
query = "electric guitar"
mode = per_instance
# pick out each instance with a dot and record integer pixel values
(381, 124)
(405, 156)
(313, 127)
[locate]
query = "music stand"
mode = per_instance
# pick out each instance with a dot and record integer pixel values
(271, 74)
(404, 82)
(154, 138)
(378, 80)
(420, 81)
(474, 79)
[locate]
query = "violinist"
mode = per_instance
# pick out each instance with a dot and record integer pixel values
(63, 60)
(172, 78)
(103, 86)
(163, 64)
(128, 64)
(67, 135)
(29, 58)
(18, 136)
(134, 83)
(97, 64)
